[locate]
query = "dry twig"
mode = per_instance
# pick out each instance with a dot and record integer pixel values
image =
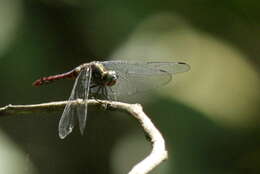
(158, 153)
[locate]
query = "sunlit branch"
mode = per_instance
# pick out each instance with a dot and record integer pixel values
(158, 153)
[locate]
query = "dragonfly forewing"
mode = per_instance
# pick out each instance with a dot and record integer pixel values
(138, 76)
(171, 67)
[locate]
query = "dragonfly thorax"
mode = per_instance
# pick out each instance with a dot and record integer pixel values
(103, 77)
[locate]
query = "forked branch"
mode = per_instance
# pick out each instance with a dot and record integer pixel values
(158, 153)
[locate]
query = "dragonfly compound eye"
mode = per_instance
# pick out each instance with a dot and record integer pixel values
(110, 77)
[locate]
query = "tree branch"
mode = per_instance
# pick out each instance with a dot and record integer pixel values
(158, 153)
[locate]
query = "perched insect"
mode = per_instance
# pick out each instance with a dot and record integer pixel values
(109, 80)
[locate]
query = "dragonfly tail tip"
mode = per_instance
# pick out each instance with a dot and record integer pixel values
(37, 82)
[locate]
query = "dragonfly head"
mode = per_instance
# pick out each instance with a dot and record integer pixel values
(110, 77)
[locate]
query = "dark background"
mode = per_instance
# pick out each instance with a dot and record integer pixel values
(209, 118)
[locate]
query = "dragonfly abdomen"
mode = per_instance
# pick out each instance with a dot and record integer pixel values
(49, 79)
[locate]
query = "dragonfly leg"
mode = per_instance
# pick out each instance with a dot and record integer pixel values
(106, 94)
(95, 95)
(107, 97)
(103, 93)
(110, 98)
(98, 90)
(90, 90)
(113, 94)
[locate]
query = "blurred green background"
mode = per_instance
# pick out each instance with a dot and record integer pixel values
(208, 116)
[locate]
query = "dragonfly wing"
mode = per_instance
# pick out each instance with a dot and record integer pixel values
(83, 93)
(138, 76)
(171, 67)
(67, 120)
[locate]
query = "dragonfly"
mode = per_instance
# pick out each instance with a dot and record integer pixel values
(109, 80)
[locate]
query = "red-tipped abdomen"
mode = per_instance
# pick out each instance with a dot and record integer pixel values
(38, 82)
(49, 79)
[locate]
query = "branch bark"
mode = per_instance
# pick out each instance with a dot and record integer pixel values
(156, 156)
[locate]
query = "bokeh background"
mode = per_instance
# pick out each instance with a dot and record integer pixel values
(209, 116)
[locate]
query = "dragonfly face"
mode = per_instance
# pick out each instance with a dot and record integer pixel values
(110, 78)
(103, 77)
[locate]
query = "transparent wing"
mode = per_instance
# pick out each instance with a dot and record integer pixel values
(171, 67)
(138, 76)
(82, 109)
(80, 91)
